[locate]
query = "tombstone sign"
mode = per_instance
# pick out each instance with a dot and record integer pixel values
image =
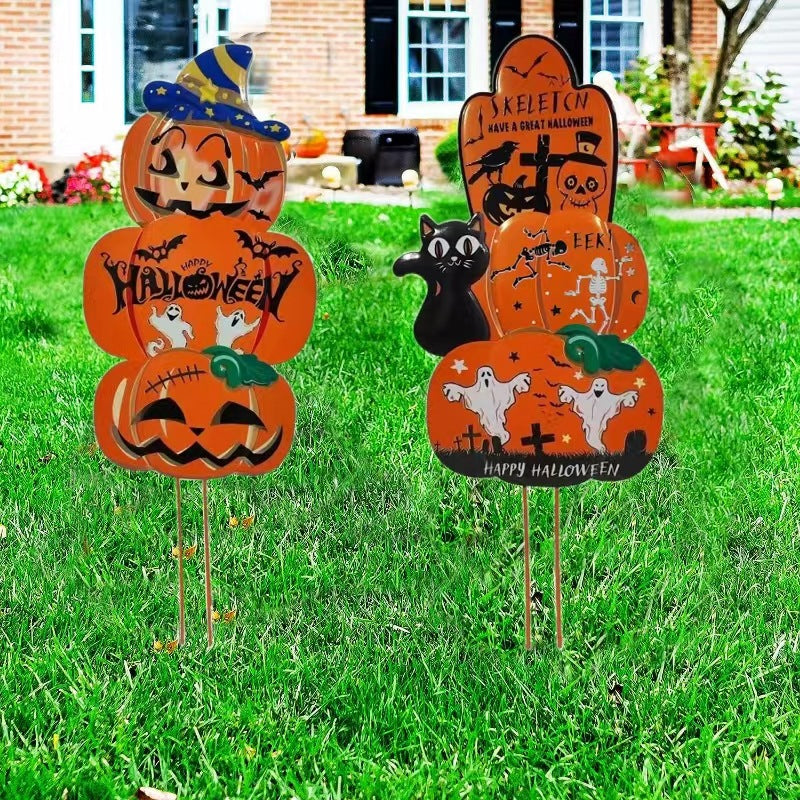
(539, 141)
(201, 299)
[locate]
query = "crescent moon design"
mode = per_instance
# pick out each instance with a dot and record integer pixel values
(635, 295)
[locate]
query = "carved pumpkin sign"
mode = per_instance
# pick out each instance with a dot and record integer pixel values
(202, 298)
(198, 415)
(200, 150)
(539, 141)
(545, 409)
(548, 271)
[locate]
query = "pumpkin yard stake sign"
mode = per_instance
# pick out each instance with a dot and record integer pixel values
(200, 299)
(529, 303)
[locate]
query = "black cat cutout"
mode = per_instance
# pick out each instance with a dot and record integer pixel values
(452, 258)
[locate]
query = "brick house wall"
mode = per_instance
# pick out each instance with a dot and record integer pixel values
(705, 31)
(25, 78)
(334, 51)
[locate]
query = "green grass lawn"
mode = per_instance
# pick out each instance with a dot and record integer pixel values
(377, 650)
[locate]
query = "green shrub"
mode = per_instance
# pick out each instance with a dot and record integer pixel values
(754, 139)
(446, 153)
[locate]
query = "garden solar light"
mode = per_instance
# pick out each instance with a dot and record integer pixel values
(774, 190)
(331, 177)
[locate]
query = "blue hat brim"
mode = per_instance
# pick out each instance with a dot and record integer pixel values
(178, 103)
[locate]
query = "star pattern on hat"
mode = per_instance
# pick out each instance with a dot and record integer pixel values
(208, 93)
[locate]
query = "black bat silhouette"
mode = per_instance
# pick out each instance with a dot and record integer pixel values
(259, 183)
(559, 363)
(160, 252)
(261, 249)
(556, 405)
(553, 385)
(553, 78)
(537, 60)
(539, 394)
(257, 213)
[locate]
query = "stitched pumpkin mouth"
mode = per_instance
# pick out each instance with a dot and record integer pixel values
(150, 199)
(196, 452)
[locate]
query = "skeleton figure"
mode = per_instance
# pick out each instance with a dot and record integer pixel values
(489, 398)
(233, 327)
(172, 325)
(596, 408)
(598, 287)
(531, 256)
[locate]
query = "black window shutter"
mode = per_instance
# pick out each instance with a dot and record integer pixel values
(505, 24)
(381, 56)
(568, 30)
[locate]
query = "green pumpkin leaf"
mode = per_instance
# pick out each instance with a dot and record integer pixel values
(238, 370)
(596, 351)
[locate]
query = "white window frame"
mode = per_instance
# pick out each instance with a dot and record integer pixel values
(477, 60)
(650, 18)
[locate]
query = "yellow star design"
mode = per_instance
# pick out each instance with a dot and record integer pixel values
(275, 128)
(209, 112)
(161, 90)
(566, 438)
(578, 375)
(240, 116)
(208, 93)
(639, 383)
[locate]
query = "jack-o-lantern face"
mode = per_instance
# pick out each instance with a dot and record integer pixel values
(501, 202)
(581, 183)
(196, 415)
(199, 170)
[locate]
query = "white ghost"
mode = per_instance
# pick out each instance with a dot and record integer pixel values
(233, 327)
(172, 324)
(490, 399)
(596, 408)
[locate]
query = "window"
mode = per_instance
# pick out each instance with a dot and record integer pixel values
(616, 29)
(158, 42)
(436, 55)
(87, 51)
(223, 23)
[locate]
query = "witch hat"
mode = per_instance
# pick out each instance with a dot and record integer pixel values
(212, 88)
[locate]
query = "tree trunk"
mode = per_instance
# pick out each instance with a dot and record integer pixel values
(679, 61)
(733, 40)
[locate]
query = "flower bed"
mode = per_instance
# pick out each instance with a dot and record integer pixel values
(94, 179)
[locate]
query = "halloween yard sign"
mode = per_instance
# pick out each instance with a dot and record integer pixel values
(530, 303)
(201, 299)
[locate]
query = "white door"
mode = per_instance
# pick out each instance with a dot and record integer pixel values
(86, 76)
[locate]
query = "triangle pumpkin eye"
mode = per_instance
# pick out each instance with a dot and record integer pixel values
(237, 414)
(164, 409)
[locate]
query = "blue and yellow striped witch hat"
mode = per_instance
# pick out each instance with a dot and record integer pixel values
(211, 88)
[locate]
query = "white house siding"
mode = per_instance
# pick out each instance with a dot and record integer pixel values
(775, 46)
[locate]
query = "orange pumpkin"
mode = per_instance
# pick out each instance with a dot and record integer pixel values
(199, 415)
(570, 266)
(199, 169)
(182, 282)
(544, 409)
